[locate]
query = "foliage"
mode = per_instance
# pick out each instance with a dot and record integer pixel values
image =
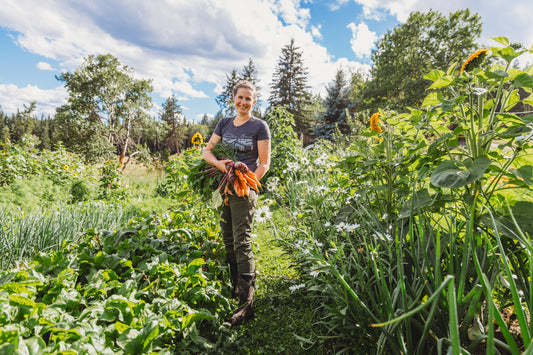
(104, 99)
(285, 144)
(112, 183)
(478, 140)
(409, 246)
(33, 178)
(289, 86)
(25, 234)
(404, 55)
(150, 287)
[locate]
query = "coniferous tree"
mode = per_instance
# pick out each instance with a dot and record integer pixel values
(335, 103)
(172, 114)
(225, 98)
(24, 122)
(5, 135)
(289, 86)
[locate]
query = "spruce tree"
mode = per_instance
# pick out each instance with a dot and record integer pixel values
(289, 86)
(335, 103)
(171, 115)
(225, 98)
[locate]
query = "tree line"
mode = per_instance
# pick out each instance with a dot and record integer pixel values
(107, 110)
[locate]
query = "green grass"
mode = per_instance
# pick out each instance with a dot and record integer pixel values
(284, 321)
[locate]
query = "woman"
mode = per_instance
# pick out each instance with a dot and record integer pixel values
(250, 137)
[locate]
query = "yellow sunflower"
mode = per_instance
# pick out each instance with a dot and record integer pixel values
(474, 60)
(374, 120)
(197, 139)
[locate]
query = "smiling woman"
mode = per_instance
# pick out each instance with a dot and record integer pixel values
(250, 138)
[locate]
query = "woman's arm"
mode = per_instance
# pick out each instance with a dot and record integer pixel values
(210, 158)
(263, 148)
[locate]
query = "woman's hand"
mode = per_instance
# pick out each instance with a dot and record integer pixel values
(221, 164)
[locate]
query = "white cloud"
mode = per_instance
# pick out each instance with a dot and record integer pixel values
(499, 17)
(335, 5)
(181, 44)
(45, 66)
(14, 98)
(315, 31)
(177, 43)
(362, 40)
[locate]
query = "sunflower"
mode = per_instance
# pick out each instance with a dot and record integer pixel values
(474, 60)
(374, 119)
(197, 139)
(65, 167)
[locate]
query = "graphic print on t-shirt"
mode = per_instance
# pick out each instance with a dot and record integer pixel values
(241, 144)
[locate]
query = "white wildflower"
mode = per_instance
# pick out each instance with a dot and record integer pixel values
(292, 166)
(262, 214)
(314, 273)
(296, 287)
(321, 189)
(344, 227)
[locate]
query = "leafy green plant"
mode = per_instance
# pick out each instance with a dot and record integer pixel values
(286, 147)
(150, 287)
(478, 136)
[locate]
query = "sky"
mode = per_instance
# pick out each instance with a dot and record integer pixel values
(187, 47)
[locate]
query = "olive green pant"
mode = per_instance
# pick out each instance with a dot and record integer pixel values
(236, 226)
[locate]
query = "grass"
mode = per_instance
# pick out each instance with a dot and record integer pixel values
(284, 320)
(25, 234)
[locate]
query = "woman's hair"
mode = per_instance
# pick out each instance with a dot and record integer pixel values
(245, 84)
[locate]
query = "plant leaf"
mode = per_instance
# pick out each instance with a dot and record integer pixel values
(523, 81)
(525, 172)
(449, 175)
(502, 40)
(434, 75)
(515, 131)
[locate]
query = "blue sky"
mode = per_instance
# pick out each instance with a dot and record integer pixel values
(187, 47)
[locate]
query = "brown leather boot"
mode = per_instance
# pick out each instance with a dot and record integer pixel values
(245, 290)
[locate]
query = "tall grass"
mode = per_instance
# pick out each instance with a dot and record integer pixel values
(23, 234)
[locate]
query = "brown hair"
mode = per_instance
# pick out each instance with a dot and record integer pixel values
(245, 84)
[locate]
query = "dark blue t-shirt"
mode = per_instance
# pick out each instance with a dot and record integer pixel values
(244, 138)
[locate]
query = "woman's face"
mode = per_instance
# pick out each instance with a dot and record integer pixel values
(244, 100)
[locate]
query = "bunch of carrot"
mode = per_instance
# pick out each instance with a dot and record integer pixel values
(244, 180)
(238, 176)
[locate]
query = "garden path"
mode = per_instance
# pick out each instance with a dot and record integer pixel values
(283, 321)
